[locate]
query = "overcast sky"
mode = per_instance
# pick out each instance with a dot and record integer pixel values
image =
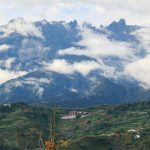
(94, 11)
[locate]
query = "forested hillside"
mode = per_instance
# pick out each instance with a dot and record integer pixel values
(112, 127)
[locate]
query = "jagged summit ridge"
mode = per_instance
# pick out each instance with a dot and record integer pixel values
(104, 58)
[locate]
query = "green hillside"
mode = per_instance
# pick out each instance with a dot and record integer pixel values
(104, 127)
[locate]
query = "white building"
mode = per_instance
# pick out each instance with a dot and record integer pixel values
(68, 117)
(72, 115)
(7, 105)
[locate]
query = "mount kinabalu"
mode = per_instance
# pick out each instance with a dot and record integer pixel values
(67, 62)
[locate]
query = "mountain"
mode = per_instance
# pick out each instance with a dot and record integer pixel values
(73, 64)
(44, 86)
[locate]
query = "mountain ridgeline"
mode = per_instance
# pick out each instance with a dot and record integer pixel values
(69, 64)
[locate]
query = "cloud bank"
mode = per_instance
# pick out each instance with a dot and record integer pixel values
(6, 75)
(21, 27)
(98, 46)
(64, 67)
(140, 70)
(4, 47)
(97, 11)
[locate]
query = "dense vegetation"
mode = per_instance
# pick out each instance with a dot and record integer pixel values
(106, 127)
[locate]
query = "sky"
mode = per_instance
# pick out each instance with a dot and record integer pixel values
(96, 12)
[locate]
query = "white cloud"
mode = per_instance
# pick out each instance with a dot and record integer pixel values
(140, 70)
(4, 47)
(98, 46)
(73, 90)
(6, 75)
(64, 67)
(143, 35)
(60, 66)
(8, 62)
(83, 67)
(97, 11)
(21, 27)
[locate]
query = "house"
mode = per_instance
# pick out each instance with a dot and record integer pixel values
(132, 130)
(137, 136)
(84, 116)
(72, 115)
(7, 105)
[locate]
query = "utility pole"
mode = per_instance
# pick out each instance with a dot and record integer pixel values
(51, 144)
